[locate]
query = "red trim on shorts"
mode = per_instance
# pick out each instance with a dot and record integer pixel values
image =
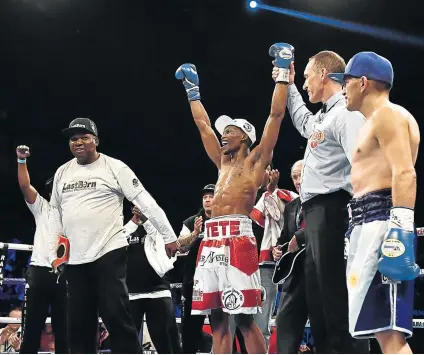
(212, 300)
(258, 217)
(217, 243)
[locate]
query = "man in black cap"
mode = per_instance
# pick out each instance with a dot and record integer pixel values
(86, 207)
(189, 240)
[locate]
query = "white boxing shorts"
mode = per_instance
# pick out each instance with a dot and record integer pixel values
(376, 303)
(227, 272)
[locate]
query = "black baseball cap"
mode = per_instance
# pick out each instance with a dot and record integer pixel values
(81, 125)
(208, 188)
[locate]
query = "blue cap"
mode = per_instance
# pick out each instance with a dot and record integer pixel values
(368, 64)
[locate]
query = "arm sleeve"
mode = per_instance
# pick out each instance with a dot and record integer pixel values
(55, 222)
(129, 182)
(150, 229)
(300, 237)
(302, 118)
(135, 192)
(129, 229)
(346, 131)
(149, 207)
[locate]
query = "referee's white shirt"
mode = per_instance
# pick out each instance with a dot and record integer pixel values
(331, 138)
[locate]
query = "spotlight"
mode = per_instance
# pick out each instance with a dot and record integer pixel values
(253, 4)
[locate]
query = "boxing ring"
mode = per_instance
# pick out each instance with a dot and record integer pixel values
(417, 323)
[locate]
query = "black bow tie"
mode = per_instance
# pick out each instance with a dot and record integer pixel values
(324, 108)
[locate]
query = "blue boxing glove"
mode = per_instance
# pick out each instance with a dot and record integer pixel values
(188, 74)
(284, 55)
(397, 260)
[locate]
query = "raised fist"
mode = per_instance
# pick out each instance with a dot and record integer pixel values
(22, 152)
(188, 74)
(274, 176)
(283, 54)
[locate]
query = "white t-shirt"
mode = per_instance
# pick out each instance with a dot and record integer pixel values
(89, 199)
(40, 253)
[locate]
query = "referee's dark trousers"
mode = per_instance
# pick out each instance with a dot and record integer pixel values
(326, 220)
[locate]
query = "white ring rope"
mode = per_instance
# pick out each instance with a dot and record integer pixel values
(27, 247)
(12, 246)
(17, 281)
(417, 323)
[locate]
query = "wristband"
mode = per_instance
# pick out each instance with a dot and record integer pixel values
(283, 75)
(402, 217)
(21, 161)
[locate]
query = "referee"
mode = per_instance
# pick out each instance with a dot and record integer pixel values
(325, 192)
(86, 207)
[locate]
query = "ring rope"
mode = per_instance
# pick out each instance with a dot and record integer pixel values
(417, 323)
(13, 246)
(177, 285)
(27, 247)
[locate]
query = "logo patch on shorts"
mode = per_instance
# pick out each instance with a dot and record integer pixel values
(198, 291)
(213, 259)
(316, 138)
(353, 279)
(232, 299)
(392, 248)
(346, 248)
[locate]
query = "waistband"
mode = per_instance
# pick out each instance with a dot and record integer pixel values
(228, 226)
(373, 206)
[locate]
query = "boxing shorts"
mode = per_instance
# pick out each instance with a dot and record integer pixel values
(227, 272)
(376, 303)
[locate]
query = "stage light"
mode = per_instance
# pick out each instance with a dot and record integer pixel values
(253, 4)
(377, 32)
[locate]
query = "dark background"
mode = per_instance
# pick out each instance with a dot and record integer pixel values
(114, 61)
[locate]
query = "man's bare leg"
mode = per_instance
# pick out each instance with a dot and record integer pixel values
(253, 337)
(393, 342)
(222, 339)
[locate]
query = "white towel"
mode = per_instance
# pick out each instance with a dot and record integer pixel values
(268, 213)
(154, 246)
